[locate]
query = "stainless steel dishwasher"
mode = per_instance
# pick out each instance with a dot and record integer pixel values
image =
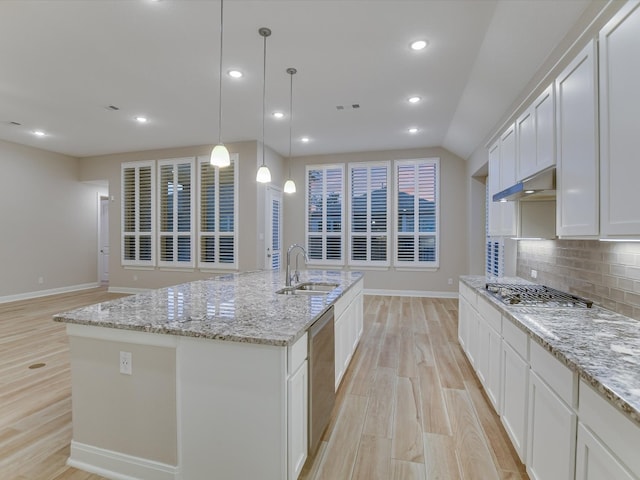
(322, 395)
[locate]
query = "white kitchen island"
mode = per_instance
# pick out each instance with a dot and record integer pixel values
(218, 383)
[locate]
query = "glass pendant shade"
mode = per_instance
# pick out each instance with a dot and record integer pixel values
(263, 175)
(220, 156)
(289, 186)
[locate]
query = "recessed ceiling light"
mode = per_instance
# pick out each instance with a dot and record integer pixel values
(418, 45)
(278, 114)
(413, 130)
(141, 119)
(305, 139)
(39, 133)
(414, 99)
(235, 73)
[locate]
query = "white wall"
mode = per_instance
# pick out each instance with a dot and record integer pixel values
(48, 223)
(453, 220)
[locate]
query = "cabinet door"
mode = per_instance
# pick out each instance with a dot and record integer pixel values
(508, 158)
(526, 150)
(482, 350)
(577, 147)
(515, 379)
(472, 338)
(297, 420)
(619, 101)
(544, 120)
(494, 371)
(502, 215)
(463, 322)
(594, 461)
(551, 434)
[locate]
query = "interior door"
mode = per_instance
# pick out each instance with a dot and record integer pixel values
(103, 247)
(273, 223)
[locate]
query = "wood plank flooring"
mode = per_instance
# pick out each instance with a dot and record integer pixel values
(408, 408)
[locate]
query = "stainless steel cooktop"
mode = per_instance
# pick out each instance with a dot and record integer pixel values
(535, 296)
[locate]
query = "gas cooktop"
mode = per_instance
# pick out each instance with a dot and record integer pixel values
(535, 296)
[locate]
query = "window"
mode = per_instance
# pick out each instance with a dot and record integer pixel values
(417, 213)
(138, 207)
(369, 197)
(325, 213)
(175, 213)
(217, 214)
(495, 246)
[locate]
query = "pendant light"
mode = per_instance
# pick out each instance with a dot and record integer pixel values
(290, 185)
(220, 155)
(264, 175)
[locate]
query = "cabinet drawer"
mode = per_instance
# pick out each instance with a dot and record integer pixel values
(562, 381)
(468, 294)
(490, 314)
(617, 432)
(297, 354)
(516, 338)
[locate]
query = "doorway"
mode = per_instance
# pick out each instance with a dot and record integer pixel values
(273, 229)
(103, 240)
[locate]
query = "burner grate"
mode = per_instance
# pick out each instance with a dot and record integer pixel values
(535, 295)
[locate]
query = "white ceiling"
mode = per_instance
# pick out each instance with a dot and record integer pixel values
(63, 62)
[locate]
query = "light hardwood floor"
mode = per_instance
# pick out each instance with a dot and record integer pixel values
(409, 406)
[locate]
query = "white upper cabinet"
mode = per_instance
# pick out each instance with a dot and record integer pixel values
(577, 176)
(508, 157)
(619, 106)
(536, 136)
(502, 215)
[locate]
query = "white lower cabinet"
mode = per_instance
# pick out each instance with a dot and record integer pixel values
(297, 413)
(348, 325)
(515, 379)
(464, 310)
(494, 370)
(551, 434)
(594, 461)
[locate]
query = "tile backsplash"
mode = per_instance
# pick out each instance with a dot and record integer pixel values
(606, 272)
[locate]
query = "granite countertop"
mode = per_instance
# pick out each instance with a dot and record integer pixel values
(241, 307)
(602, 346)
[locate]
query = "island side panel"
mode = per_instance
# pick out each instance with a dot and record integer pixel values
(232, 410)
(130, 414)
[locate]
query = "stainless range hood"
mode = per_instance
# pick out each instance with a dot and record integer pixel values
(543, 183)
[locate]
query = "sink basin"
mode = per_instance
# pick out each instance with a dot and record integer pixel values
(309, 288)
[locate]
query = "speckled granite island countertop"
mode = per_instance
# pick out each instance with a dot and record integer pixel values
(603, 347)
(242, 307)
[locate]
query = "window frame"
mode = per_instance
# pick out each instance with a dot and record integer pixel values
(137, 233)
(343, 225)
(416, 263)
(351, 166)
(217, 265)
(175, 233)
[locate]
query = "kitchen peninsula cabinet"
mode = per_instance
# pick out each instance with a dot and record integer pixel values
(219, 378)
(619, 62)
(577, 175)
(348, 329)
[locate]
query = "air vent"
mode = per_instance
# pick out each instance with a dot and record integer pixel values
(353, 106)
(15, 123)
(113, 107)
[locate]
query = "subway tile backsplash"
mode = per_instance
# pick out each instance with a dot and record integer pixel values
(606, 272)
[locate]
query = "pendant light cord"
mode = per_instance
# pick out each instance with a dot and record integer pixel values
(264, 91)
(220, 88)
(291, 71)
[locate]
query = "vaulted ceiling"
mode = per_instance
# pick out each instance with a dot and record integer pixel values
(63, 63)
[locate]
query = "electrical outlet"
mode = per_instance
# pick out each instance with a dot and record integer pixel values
(125, 363)
(534, 273)
(40, 280)
(450, 281)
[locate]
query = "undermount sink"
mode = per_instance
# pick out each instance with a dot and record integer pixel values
(310, 288)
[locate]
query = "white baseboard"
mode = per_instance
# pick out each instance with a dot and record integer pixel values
(128, 290)
(46, 293)
(118, 466)
(410, 293)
